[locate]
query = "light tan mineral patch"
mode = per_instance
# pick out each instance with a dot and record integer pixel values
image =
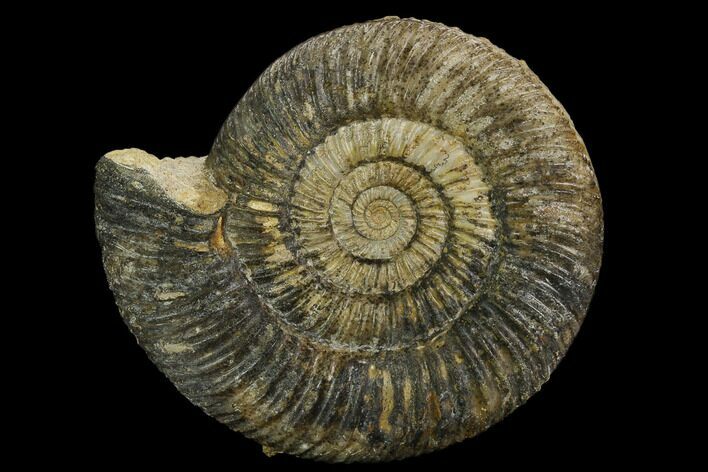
(183, 179)
(217, 241)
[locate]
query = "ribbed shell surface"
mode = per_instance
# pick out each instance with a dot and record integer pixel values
(410, 241)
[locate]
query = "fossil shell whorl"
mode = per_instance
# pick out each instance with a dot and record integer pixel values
(392, 243)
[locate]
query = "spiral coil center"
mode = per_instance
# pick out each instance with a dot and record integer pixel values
(387, 226)
(377, 219)
(370, 218)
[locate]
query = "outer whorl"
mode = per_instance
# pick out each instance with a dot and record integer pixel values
(390, 247)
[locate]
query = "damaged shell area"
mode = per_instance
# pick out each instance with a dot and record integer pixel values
(395, 239)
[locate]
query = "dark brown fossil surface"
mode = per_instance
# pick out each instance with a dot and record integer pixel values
(390, 246)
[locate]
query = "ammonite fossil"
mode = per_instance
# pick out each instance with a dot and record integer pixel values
(390, 246)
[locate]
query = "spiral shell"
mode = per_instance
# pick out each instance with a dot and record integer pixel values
(390, 246)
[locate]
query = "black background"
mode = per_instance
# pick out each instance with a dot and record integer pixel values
(165, 82)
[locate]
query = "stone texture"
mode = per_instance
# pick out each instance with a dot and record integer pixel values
(390, 246)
